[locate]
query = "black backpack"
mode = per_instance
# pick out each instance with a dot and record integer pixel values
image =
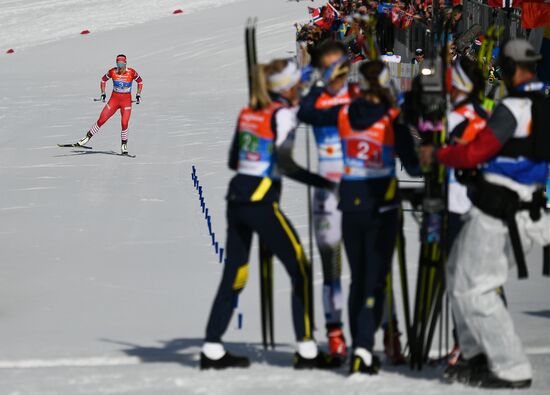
(537, 145)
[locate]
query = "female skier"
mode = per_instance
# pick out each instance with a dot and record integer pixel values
(121, 99)
(335, 67)
(260, 152)
(326, 216)
(370, 137)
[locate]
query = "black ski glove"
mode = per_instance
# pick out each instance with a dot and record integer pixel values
(103, 97)
(138, 98)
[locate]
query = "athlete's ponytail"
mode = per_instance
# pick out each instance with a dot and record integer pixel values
(375, 82)
(259, 99)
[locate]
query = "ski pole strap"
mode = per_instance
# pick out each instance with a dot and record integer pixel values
(516, 245)
(546, 261)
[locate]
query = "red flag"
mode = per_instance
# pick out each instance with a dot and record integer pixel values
(319, 17)
(407, 22)
(396, 15)
(505, 3)
(535, 14)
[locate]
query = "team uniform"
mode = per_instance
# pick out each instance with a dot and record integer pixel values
(465, 121)
(370, 139)
(261, 147)
(121, 99)
(326, 216)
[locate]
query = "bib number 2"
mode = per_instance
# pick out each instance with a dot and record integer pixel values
(367, 152)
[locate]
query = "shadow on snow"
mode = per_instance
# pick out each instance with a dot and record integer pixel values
(88, 152)
(186, 352)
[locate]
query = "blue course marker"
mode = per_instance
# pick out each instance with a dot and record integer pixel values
(217, 246)
(240, 321)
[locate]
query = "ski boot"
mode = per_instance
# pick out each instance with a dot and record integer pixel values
(225, 362)
(364, 362)
(124, 148)
(465, 369)
(489, 380)
(84, 140)
(337, 343)
(392, 347)
(453, 356)
(321, 361)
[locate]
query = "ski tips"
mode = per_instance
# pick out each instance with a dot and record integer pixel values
(251, 21)
(73, 145)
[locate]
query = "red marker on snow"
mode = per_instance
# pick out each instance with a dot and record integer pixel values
(10, 50)
(178, 11)
(85, 32)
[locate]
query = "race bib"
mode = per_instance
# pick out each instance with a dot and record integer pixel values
(367, 152)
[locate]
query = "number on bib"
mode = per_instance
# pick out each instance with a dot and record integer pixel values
(248, 142)
(366, 151)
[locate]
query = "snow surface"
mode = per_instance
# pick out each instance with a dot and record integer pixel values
(107, 272)
(31, 22)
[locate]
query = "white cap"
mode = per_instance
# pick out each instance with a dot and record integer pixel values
(284, 80)
(522, 51)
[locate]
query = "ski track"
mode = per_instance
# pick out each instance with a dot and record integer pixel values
(107, 271)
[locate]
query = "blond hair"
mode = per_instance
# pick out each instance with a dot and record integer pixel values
(259, 98)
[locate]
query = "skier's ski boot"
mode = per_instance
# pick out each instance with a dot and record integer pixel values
(337, 343)
(84, 140)
(465, 370)
(321, 361)
(489, 380)
(453, 356)
(124, 148)
(225, 362)
(392, 347)
(364, 362)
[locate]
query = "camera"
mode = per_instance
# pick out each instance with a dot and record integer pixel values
(425, 104)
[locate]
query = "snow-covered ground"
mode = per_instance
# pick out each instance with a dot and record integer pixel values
(106, 267)
(31, 22)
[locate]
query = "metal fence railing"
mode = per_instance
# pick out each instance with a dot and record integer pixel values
(474, 12)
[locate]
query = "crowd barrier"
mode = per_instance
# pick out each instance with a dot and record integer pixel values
(474, 12)
(401, 74)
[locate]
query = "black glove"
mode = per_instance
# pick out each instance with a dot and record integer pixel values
(138, 98)
(103, 97)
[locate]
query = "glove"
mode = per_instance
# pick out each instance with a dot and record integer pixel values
(103, 97)
(339, 68)
(138, 98)
(307, 72)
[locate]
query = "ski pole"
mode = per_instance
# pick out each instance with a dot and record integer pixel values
(402, 260)
(310, 232)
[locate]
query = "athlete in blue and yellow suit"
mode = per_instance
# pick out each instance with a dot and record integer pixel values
(370, 138)
(260, 153)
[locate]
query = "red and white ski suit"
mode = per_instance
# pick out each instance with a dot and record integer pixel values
(121, 98)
